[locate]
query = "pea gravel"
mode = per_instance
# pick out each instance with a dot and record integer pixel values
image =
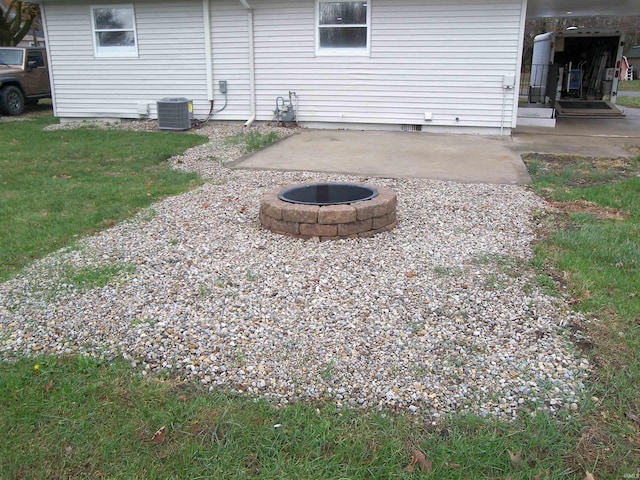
(440, 315)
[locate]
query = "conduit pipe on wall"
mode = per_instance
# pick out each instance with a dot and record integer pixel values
(208, 56)
(252, 70)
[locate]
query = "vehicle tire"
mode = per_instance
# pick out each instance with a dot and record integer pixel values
(11, 101)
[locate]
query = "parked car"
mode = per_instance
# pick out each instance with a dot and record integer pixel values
(24, 78)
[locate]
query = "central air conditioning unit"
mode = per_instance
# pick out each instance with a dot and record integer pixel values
(175, 113)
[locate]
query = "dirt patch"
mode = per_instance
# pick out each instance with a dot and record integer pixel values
(589, 208)
(41, 109)
(579, 171)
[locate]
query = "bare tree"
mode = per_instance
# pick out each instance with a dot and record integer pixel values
(16, 19)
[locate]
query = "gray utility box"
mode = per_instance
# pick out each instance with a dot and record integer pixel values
(175, 113)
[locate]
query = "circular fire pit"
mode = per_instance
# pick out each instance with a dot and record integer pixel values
(329, 211)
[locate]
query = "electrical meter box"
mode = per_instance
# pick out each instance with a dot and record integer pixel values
(175, 113)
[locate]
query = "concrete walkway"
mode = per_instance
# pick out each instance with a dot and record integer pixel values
(609, 137)
(462, 158)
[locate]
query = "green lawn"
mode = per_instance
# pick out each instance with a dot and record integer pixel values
(56, 185)
(592, 247)
(629, 86)
(633, 102)
(82, 418)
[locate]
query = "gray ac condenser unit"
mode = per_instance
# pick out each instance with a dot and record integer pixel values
(174, 113)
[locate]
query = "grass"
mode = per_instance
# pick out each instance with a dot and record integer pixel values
(75, 417)
(95, 277)
(632, 102)
(252, 141)
(57, 185)
(591, 244)
(629, 86)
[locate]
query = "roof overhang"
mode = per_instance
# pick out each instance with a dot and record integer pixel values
(582, 8)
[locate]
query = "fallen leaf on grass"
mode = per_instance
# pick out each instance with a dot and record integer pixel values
(47, 388)
(541, 475)
(633, 418)
(250, 464)
(158, 437)
(588, 476)
(418, 458)
(516, 458)
(423, 463)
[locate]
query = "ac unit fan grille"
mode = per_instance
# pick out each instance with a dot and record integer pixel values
(174, 114)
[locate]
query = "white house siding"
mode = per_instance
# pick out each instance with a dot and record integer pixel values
(427, 56)
(230, 47)
(442, 58)
(170, 62)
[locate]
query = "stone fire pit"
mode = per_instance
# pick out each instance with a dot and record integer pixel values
(329, 211)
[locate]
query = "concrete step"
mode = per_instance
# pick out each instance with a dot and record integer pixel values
(535, 116)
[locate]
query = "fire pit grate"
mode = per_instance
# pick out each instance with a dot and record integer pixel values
(327, 194)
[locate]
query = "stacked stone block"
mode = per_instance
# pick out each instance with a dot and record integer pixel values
(360, 219)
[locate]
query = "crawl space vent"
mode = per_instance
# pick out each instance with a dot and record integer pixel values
(174, 113)
(411, 128)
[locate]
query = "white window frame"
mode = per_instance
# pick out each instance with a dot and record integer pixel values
(321, 51)
(114, 51)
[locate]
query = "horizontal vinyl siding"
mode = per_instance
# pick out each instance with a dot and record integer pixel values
(170, 62)
(444, 58)
(447, 59)
(230, 46)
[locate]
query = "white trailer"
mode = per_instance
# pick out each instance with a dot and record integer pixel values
(577, 65)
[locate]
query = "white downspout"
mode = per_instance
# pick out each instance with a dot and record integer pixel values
(208, 56)
(252, 69)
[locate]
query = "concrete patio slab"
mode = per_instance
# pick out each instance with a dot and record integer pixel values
(463, 158)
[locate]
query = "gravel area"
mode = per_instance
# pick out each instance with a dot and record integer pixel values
(440, 315)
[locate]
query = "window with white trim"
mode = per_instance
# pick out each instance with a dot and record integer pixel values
(114, 31)
(343, 27)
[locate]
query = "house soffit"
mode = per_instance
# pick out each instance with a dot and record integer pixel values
(582, 8)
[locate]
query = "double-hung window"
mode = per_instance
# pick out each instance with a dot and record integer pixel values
(343, 27)
(114, 31)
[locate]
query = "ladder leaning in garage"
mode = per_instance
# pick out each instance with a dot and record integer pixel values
(596, 73)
